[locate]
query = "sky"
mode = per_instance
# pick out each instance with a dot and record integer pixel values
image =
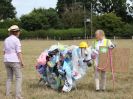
(26, 6)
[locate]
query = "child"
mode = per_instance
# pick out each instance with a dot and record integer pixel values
(100, 41)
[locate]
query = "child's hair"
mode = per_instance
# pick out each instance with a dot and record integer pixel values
(101, 32)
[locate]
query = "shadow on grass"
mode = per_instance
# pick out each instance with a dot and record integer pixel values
(33, 84)
(86, 86)
(80, 86)
(36, 85)
(91, 87)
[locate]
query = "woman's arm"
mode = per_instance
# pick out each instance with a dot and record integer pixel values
(19, 52)
(21, 59)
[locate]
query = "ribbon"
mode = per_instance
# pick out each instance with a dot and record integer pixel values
(112, 69)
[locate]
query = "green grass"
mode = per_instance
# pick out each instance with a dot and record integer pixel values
(85, 87)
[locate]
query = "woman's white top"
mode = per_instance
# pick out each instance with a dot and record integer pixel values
(12, 47)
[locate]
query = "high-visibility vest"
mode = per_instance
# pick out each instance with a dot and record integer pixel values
(105, 43)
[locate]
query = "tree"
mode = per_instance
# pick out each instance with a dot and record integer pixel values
(6, 9)
(110, 23)
(60, 7)
(121, 8)
(63, 6)
(74, 17)
(40, 19)
(117, 6)
(71, 13)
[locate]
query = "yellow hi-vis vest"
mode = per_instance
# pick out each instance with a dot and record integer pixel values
(105, 43)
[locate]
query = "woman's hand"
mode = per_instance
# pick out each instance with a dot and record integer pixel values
(22, 64)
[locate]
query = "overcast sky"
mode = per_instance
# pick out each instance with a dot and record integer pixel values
(26, 6)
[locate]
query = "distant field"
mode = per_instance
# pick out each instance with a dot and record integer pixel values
(85, 88)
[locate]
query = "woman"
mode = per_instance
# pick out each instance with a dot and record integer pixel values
(13, 60)
(100, 41)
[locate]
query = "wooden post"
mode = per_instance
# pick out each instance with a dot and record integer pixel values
(47, 38)
(37, 38)
(59, 38)
(114, 39)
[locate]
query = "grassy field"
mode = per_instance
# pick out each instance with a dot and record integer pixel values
(85, 87)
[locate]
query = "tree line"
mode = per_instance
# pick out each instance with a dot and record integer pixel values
(115, 17)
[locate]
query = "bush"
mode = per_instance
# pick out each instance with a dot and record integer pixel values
(64, 34)
(3, 34)
(40, 19)
(127, 31)
(7, 23)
